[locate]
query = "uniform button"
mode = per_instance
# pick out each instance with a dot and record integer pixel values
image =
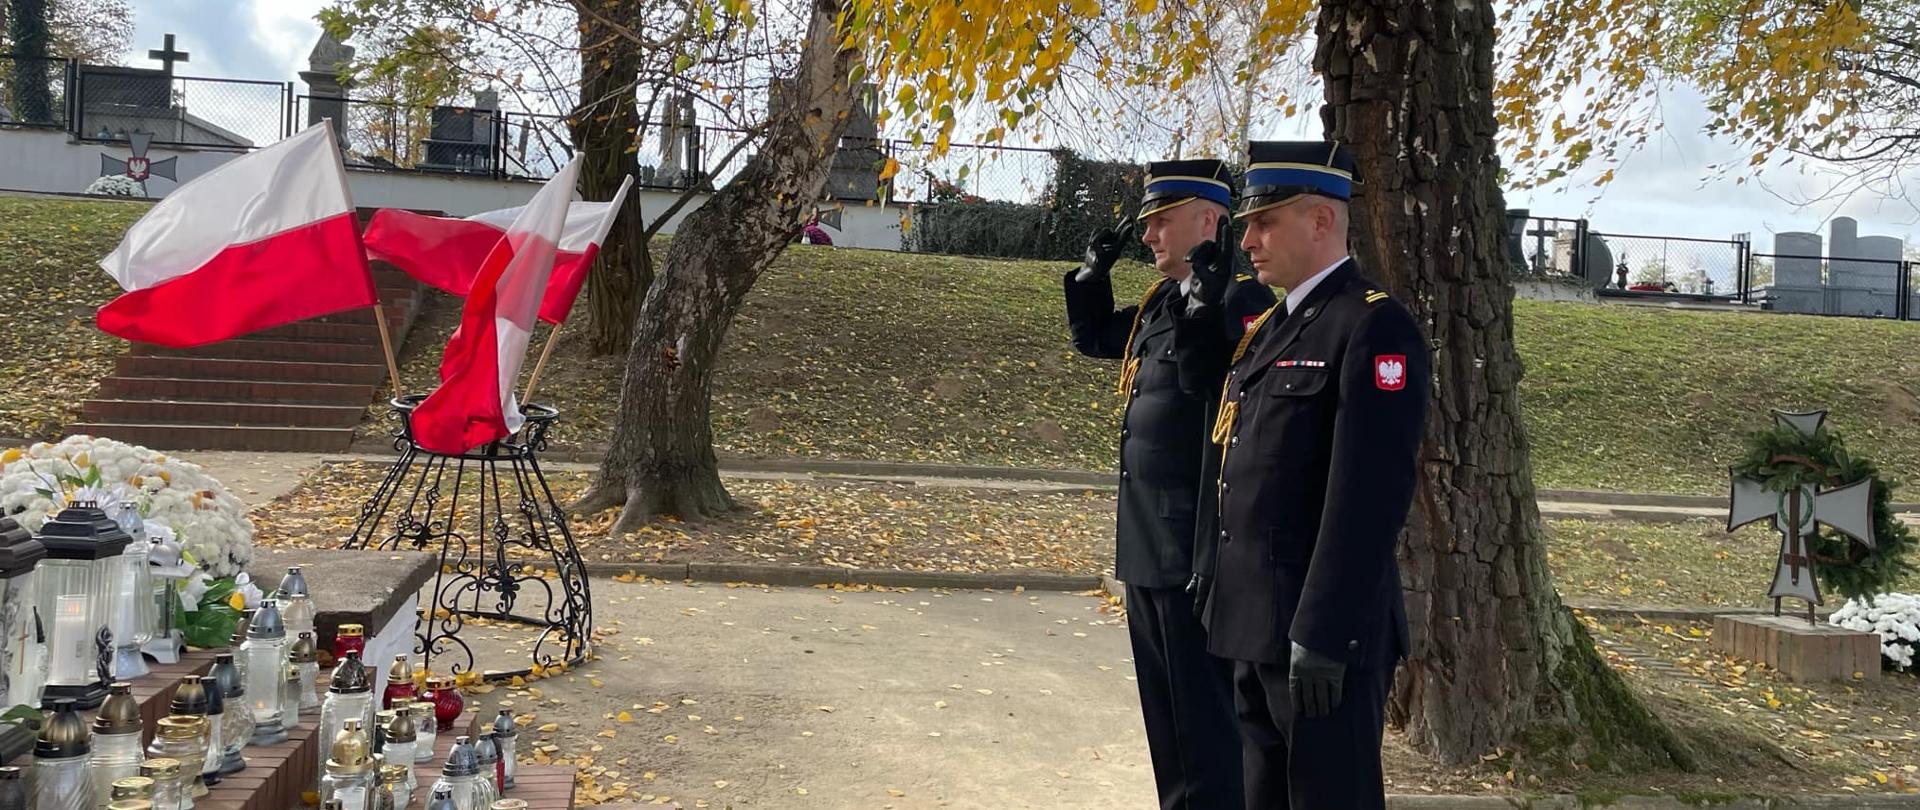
(1289, 386)
(1124, 474)
(1223, 539)
(1125, 432)
(1169, 352)
(1236, 441)
(1136, 391)
(1225, 487)
(1353, 645)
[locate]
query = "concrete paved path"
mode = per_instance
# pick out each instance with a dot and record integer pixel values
(807, 698)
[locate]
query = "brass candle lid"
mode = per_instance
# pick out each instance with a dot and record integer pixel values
(190, 697)
(302, 651)
(401, 671)
(120, 714)
(161, 768)
(133, 787)
(401, 727)
(181, 727)
(351, 750)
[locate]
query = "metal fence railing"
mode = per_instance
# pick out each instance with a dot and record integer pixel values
(1549, 246)
(1722, 271)
(111, 103)
(1867, 288)
(33, 91)
(1677, 264)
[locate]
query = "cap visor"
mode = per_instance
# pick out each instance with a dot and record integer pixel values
(1157, 209)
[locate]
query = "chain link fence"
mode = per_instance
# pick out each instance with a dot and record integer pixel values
(33, 91)
(1676, 264)
(111, 103)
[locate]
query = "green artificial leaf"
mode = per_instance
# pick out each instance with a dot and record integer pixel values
(23, 714)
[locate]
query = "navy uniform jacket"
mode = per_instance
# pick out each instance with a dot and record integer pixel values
(1322, 419)
(1164, 440)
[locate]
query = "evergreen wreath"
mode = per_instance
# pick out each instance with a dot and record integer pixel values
(1781, 458)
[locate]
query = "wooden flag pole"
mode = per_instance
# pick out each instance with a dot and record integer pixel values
(540, 365)
(386, 342)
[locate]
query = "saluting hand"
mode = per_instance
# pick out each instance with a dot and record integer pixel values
(1212, 264)
(1104, 250)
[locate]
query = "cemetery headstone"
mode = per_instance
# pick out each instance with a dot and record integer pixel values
(326, 87)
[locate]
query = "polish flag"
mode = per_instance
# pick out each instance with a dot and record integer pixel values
(266, 239)
(447, 253)
(474, 404)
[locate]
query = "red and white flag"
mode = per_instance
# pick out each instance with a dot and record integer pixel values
(474, 404)
(447, 253)
(267, 238)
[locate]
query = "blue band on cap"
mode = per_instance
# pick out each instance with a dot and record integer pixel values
(1328, 183)
(1191, 188)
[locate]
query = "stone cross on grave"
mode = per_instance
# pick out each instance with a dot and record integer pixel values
(167, 56)
(1797, 514)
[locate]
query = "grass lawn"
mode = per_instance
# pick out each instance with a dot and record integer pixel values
(1691, 563)
(855, 354)
(50, 285)
(858, 354)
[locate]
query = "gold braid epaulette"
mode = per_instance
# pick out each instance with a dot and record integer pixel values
(1130, 365)
(1229, 411)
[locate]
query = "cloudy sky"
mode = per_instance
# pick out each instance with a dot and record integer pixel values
(1660, 190)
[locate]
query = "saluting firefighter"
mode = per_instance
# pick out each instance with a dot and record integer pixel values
(1320, 424)
(1166, 499)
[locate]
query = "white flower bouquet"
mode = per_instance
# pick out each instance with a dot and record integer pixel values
(1894, 616)
(117, 185)
(212, 525)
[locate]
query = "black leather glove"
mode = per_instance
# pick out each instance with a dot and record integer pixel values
(1200, 587)
(1212, 264)
(1104, 250)
(1315, 681)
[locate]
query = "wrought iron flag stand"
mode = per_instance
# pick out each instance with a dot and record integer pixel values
(506, 553)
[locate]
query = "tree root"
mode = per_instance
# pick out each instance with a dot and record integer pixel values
(599, 498)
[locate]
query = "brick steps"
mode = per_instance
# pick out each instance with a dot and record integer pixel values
(311, 351)
(188, 389)
(297, 387)
(194, 436)
(357, 333)
(269, 370)
(136, 411)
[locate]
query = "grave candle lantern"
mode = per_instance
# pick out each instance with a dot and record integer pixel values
(79, 587)
(132, 621)
(23, 657)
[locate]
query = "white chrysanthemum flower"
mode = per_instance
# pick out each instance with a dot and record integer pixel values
(211, 522)
(1895, 617)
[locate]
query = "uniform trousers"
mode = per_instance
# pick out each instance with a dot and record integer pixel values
(1295, 762)
(1186, 695)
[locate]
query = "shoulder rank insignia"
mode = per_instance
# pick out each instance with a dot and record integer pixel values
(1242, 277)
(1375, 296)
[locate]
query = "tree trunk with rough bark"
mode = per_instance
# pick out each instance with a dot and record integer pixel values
(606, 126)
(1496, 657)
(661, 459)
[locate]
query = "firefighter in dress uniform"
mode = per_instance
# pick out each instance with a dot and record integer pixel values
(1319, 427)
(1165, 495)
